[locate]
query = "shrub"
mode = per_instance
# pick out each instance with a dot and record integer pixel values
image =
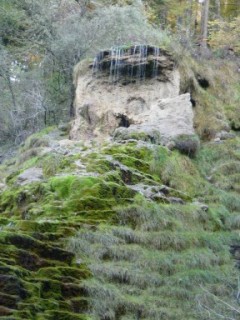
(187, 144)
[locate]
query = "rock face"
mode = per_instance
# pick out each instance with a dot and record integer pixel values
(30, 175)
(131, 91)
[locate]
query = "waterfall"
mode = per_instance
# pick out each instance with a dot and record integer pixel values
(116, 54)
(133, 53)
(97, 63)
(134, 63)
(143, 52)
(156, 54)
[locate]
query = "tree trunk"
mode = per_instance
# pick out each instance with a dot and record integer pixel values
(11, 92)
(218, 9)
(204, 24)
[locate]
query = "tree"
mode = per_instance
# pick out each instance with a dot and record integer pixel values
(57, 36)
(225, 36)
(204, 23)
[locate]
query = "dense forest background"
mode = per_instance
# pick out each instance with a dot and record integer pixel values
(41, 41)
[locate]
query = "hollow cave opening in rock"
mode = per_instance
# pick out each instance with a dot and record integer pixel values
(124, 121)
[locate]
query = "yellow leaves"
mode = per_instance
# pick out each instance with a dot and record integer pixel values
(224, 34)
(151, 15)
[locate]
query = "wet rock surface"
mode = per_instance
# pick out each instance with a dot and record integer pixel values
(134, 63)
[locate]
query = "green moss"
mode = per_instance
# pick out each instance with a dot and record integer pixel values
(55, 163)
(70, 185)
(61, 315)
(113, 176)
(132, 162)
(38, 139)
(99, 165)
(130, 149)
(11, 178)
(159, 159)
(33, 161)
(9, 201)
(181, 173)
(18, 200)
(50, 289)
(154, 137)
(125, 253)
(34, 226)
(88, 203)
(75, 194)
(108, 190)
(57, 273)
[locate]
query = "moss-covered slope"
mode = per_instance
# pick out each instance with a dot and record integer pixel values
(127, 230)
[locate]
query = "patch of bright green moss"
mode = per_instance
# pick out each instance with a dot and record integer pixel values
(130, 149)
(132, 162)
(59, 272)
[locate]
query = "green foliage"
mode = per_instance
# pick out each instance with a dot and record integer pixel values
(13, 23)
(225, 35)
(47, 68)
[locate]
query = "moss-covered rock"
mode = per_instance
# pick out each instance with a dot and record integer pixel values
(88, 239)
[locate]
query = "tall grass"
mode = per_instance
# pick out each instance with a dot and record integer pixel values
(145, 269)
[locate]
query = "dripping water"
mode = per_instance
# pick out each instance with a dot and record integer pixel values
(156, 54)
(116, 55)
(134, 70)
(97, 63)
(132, 66)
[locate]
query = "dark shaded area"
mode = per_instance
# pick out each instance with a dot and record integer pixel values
(124, 121)
(235, 251)
(187, 144)
(193, 102)
(203, 82)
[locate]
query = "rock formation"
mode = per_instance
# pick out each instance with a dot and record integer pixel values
(131, 91)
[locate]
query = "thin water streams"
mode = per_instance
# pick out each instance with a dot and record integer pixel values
(135, 63)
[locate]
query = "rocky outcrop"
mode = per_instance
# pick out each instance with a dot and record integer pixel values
(128, 92)
(30, 175)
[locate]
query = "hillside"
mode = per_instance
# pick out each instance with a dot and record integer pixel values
(119, 231)
(119, 160)
(123, 229)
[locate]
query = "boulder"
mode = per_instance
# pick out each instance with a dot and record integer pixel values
(131, 93)
(224, 135)
(30, 175)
